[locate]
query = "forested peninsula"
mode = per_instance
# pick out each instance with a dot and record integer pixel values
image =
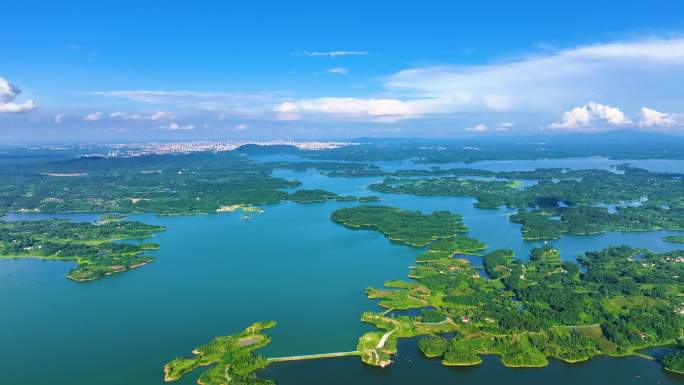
(529, 312)
(89, 245)
(198, 183)
(615, 302)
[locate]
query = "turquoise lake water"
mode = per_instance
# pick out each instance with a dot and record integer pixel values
(216, 274)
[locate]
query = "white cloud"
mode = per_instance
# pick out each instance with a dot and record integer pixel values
(241, 127)
(376, 109)
(534, 84)
(59, 118)
(158, 115)
(615, 71)
(505, 126)
(11, 107)
(8, 93)
(92, 117)
(628, 73)
(591, 116)
(339, 70)
(334, 54)
(173, 126)
(652, 118)
(124, 116)
(287, 111)
(479, 128)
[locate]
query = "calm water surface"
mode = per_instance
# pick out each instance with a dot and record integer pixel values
(216, 274)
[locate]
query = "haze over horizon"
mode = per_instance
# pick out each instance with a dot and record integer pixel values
(123, 71)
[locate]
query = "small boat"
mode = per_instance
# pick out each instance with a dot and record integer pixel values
(245, 217)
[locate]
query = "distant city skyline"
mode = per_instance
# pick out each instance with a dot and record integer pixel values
(124, 71)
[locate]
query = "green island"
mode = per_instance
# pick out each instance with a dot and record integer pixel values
(319, 195)
(445, 186)
(627, 300)
(404, 226)
(614, 302)
(565, 201)
(231, 358)
(160, 184)
(674, 239)
(587, 220)
(370, 198)
(561, 202)
(182, 184)
(90, 245)
(316, 195)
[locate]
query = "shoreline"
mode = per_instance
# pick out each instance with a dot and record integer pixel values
(109, 273)
(680, 372)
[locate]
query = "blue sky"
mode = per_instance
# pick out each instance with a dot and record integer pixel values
(118, 70)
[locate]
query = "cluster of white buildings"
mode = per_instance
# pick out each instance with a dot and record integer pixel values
(138, 149)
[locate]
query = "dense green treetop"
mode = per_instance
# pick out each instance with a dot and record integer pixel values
(88, 244)
(585, 220)
(447, 247)
(498, 261)
(231, 359)
(161, 184)
(403, 226)
(570, 202)
(569, 187)
(620, 300)
(310, 196)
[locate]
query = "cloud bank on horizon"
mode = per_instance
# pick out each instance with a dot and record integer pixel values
(629, 72)
(614, 85)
